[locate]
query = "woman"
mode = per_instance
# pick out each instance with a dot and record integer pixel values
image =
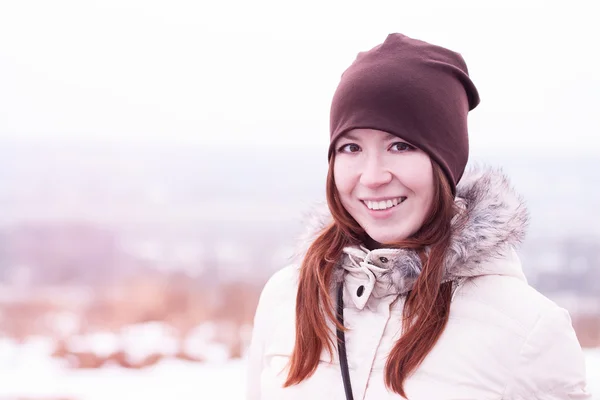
(411, 287)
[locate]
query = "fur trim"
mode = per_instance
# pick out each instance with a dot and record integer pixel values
(495, 220)
(497, 217)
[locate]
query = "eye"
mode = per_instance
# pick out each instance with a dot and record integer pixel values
(349, 148)
(401, 147)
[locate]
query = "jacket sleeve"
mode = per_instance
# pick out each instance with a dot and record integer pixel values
(551, 363)
(254, 361)
(278, 288)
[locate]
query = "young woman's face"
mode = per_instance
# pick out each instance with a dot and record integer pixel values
(384, 183)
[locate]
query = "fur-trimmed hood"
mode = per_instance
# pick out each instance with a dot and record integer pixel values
(495, 223)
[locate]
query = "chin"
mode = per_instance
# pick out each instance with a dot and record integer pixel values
(386, 237)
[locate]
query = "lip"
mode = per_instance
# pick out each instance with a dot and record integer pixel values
(382, 214)
(381, 198)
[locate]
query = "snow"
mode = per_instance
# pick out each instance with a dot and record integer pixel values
(170, 378)
(143, 340)
(200, 343)
(100, 343)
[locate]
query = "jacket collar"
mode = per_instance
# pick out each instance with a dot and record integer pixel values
(496, 222)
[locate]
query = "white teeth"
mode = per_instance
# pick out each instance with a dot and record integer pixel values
(384, 204)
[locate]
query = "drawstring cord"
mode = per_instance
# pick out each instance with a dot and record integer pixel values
(342, 343)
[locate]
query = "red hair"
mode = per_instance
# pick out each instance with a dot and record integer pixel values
(427, 306)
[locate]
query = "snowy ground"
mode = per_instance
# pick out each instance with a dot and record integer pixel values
(166, 380)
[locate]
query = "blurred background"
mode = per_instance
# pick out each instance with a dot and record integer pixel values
(158, 159)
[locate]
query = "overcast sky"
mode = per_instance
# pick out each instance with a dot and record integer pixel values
(262, 74)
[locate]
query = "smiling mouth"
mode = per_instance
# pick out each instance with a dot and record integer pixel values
(383, 204)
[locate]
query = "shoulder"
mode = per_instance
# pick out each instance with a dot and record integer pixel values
(276, 305)
(276, 300)
(502, 290)
(551, 360)
(281, 284)
(279, 293)
(508, 297)
(547, 357)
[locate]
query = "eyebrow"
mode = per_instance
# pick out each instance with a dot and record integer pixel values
(388, 136)
(349, 136)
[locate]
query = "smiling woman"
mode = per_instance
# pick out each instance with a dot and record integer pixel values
(414, 278)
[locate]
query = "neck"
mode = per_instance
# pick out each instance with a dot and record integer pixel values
(371, 244)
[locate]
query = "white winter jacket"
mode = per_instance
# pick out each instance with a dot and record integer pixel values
(504, 340)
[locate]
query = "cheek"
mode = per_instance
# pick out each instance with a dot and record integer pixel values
(343, 176)
(418, 176)
(425, 190)
(423, 186)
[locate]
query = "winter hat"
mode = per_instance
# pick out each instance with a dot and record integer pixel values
(417, 91)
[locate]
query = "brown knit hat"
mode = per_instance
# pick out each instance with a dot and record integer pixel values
(417, 91)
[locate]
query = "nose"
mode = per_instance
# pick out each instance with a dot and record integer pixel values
(375, 173)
